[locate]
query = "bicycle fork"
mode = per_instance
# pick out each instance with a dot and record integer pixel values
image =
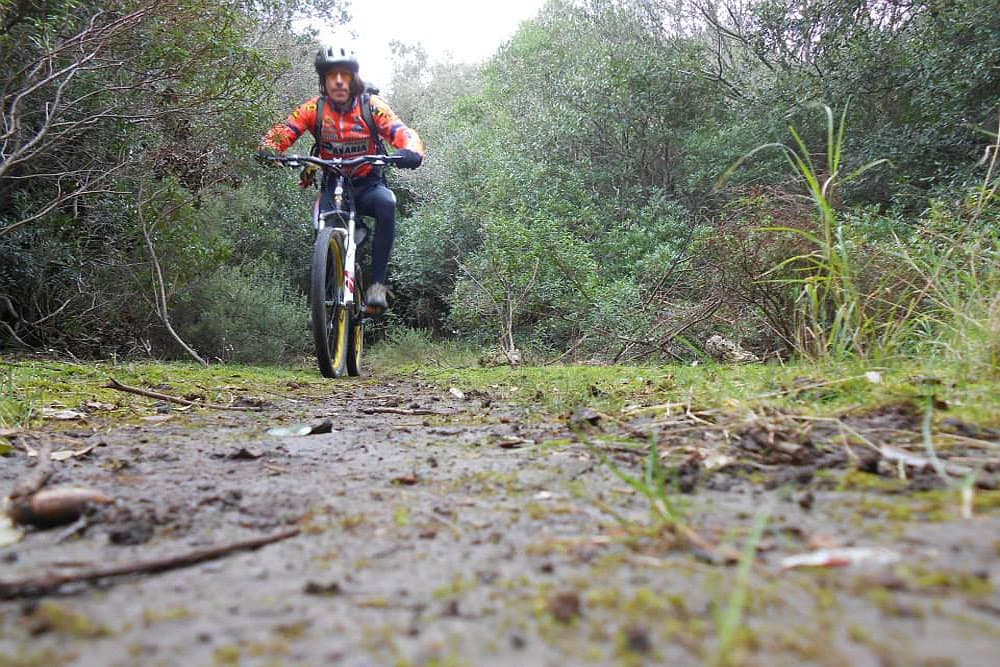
(349, 280)
(350, 246)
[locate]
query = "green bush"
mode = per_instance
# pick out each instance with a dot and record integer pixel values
(243, 314)
(955, 269)
(403, 346)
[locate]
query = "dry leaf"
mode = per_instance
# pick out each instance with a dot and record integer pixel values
(245, 454)
(62, 415)
(9, 533)
(842, 557)
(715, 461)
(325, 426)
(565, 607)
(824, 541)
(54, 506)
(513, 442)
(156, 419)
(290, 431)
(406, 480)
(65, 454)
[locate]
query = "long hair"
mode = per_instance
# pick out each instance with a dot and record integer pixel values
(356, 88)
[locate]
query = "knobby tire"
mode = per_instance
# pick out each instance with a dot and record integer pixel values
(329, 317)
(355, 328)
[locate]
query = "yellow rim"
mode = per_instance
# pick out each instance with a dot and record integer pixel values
(338, 351)
(340, 338)
(358, 344)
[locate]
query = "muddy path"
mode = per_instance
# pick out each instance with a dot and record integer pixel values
(444, 528)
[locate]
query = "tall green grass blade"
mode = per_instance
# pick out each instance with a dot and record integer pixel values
(728, 620)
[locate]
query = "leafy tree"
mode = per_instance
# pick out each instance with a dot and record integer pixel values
(571, 198)
(104, 104)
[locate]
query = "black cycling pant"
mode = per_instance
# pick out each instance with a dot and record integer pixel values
(373, 199)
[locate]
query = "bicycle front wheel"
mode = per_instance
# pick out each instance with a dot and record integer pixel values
(329, 316)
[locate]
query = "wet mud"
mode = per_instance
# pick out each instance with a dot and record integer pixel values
(440, 528)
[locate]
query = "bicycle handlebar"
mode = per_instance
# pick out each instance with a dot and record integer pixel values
(335, 164)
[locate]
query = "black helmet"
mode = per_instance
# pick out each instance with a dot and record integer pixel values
(330, 57)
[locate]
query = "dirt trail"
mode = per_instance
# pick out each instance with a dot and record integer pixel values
(480, 535)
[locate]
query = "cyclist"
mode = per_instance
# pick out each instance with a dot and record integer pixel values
(345, 130)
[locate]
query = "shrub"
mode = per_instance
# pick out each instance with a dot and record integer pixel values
(243, 314)
(955, 314)
(403, 346)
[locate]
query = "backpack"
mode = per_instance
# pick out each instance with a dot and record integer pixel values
(366, 114)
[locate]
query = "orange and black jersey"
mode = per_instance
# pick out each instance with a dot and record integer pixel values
(345, 134)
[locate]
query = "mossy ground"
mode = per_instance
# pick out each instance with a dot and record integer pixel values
(811, 388)
(817, 389)
(490, 532)
(29, 385)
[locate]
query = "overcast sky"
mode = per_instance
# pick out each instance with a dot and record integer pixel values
(468, 30)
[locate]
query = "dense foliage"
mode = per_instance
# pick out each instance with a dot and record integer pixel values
(576, 177)
(595, 188)
(127, 128)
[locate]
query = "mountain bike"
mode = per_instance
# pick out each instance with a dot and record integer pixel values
(338, 311)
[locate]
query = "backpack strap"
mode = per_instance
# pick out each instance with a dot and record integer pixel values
(369, 116)
(318, 127)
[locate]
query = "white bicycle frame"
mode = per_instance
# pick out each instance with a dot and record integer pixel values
(350, 242)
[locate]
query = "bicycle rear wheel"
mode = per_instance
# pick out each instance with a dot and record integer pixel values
(356, 330)
(329, 316)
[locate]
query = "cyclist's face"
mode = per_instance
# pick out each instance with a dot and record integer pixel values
(338, 85)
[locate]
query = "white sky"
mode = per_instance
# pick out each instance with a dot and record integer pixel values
(468, 30)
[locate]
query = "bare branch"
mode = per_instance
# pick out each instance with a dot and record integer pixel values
(159, 286)
(87, 187)
(13, 334)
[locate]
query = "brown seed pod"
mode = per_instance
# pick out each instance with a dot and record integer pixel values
(54, 506)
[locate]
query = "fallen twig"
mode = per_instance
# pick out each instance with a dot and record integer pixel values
(631, 451)
(47, 583)
(964, 439)
(628, 428)
(604, 446)
(115, 384)
(974, 460)
(685, 427)
(693, 416)
(915, 437)
(723, 552)
(805, 387)
(451, 525)
(39, 475)
(656, 408)
(403, 411)
(568, 352)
